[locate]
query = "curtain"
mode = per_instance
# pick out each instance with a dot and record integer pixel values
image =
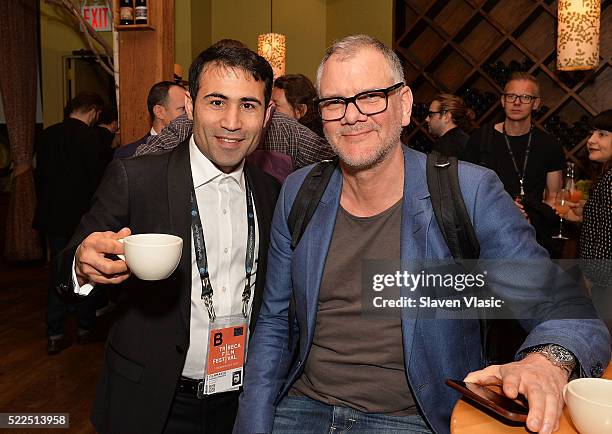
(18, 84)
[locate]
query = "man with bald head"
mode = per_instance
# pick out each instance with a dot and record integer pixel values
(346, 369)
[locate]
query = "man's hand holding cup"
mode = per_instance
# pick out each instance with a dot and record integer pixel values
(92, 261)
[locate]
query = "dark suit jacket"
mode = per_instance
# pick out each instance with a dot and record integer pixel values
(70, 161)
(148, 341)
(126, 151)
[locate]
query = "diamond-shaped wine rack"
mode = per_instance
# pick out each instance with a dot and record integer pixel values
(469, 47)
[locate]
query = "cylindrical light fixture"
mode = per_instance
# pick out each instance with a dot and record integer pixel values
(271, 46)
(578, 34)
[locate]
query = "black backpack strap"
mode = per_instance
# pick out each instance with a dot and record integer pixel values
(307, 199)
(454, 221)
(303, 208)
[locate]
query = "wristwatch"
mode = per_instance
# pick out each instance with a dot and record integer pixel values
(555, 354)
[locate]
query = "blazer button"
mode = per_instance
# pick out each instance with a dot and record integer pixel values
(180, 349)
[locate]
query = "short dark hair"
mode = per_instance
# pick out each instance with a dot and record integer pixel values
(229, 43)
(158, 95)
(233, 58)
(603, 121)
(108, 115)
(300, 90)
(84, 102)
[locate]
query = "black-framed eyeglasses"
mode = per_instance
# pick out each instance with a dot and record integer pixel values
(524, 99)
(439, 112)
(370, 102)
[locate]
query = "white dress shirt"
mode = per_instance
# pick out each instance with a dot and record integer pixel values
(222, 204)
(221, 201)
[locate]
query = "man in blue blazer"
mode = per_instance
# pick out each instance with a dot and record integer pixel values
(347, 371)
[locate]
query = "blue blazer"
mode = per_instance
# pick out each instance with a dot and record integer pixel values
(433, 349)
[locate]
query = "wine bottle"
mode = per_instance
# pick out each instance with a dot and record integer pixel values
(126, 12)
(142, 12)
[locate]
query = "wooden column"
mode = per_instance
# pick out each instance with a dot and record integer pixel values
(146, 56)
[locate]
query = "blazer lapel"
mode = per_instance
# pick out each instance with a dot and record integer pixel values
(264, 206)
(180, 184)
(416, 217)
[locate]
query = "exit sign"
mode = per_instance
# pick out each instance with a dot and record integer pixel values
(98, 16)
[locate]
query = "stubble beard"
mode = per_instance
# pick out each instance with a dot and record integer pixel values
(364, 162)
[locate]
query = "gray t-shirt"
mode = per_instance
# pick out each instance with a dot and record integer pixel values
(357, 360)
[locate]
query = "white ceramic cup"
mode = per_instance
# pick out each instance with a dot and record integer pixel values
(589, 401)
(152, 256)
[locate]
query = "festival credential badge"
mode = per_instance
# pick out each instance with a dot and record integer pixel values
(226, 350)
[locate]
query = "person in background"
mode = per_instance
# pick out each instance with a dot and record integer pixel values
(528, 161)
(71, 160)
(165, 102)
(595, 246)
(108, 125)
(449, 121)
(294, 96)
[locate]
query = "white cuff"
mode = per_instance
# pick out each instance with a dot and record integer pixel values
(80, 290)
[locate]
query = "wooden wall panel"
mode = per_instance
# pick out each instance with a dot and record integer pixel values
(146, 56)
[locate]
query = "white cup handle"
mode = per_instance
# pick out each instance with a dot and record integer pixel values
(564, 392)
(121, 256)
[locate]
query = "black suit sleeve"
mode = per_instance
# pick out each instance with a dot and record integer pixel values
(109, 212)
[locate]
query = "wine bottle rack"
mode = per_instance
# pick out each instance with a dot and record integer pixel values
(470, 47)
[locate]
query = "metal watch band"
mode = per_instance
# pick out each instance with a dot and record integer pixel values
(557, 355)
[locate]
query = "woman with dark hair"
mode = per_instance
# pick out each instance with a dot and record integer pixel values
(595, 248)
(294, 96)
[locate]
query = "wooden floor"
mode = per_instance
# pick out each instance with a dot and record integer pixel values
(30, 380)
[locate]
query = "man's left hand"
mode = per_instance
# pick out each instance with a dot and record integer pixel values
(538, 380)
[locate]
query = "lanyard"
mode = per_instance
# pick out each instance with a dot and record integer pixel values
(521, 175)
(202, 261)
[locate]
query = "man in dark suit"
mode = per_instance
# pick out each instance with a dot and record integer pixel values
(153, 378)
(165, 102)
(71, 158)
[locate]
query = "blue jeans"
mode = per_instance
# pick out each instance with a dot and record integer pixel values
(301, 415)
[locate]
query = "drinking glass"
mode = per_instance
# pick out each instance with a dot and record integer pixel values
(562, 208)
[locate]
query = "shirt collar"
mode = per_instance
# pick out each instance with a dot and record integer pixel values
(153, 132)
(203, 171)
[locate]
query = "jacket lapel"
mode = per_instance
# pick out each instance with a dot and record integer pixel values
(416, 217)
(264, 205)
(180, 184)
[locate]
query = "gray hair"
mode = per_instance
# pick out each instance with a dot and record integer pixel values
(350, 45)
